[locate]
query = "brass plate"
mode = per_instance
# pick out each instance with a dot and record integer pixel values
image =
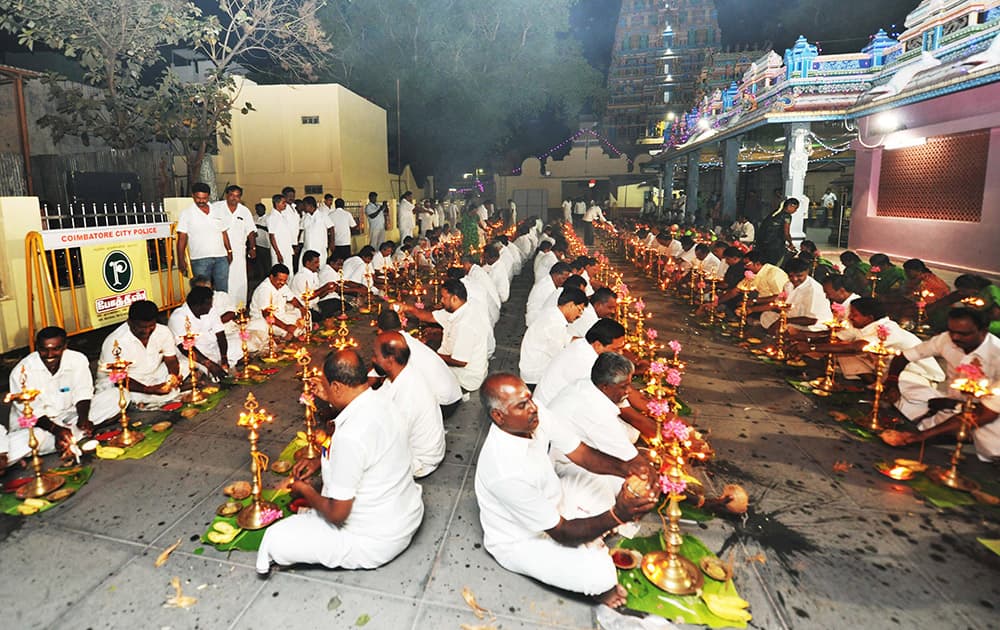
(229, 508)
(713, 567)
(653, 564)
(912, 464)
(281, 466)
(625, 559)
(60, 494)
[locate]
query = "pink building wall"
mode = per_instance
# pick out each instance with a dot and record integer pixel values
(956, 245)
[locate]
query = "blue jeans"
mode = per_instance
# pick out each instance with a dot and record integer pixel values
(217, 269)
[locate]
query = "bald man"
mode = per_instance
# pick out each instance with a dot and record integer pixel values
(414, 401)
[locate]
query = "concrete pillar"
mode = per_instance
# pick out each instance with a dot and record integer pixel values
(730, 178)
(794, 168)
(691, 209)
(18, 216)
(667, 186)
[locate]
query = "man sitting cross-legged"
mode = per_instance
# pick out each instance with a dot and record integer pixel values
(369, 507)
(527, 513)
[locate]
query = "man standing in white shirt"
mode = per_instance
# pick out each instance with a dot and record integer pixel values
(242, 238)
(414, 401)
(567, 211)
(369, 507)
(548, 335)
(283, 231)
(63, 408)
(405, 219)
(376, 215)
(593, 213)
(204, 231)
(344, 226)
(154, 376)
(530, 523)
(315, 227)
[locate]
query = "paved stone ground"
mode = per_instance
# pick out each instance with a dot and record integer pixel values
(824, 550)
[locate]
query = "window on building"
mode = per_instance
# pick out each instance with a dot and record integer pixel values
(310, 120)
(666, 96)
(314, 189)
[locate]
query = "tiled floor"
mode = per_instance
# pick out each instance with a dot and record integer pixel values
(873, 556)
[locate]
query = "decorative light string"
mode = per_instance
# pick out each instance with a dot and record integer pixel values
(573, 138)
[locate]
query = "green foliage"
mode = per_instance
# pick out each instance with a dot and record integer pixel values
(469, 70)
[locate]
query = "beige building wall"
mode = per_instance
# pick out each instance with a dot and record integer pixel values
(345, 152)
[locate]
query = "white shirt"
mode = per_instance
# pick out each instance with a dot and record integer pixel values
(204, 231)
(466, 338)
(673, 249)
(480, 276)
(357, 270)
(342, 222)
(304, 279)
(573, 363)
(594, 213)
(687, 257)
(440, 380)
(241, 225)
(579, 207)
(480, 299)
(421, 415)
(501, 284)
(146, 360)
(809, 300)
(516, 486)
(284, 227)
(266, 295)
(369, 463)
(206, 327)
(543, 262)
(709, 266)
(376, 220)
(539, 293)
(542, 342)
(583, 323)
(745, 233)
(406, 221)
(328, 274)
(60, 392)
(262, 235)
(898, 340)
(314, 232)
(594, 419)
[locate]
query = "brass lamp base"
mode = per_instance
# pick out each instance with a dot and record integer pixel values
(252, 516)
(676, 575)
(40, 486)
(127, 438)
(309, 451)
(194, 397)
(949, 477)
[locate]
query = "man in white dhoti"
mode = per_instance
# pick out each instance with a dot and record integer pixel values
(65, 410)
(808, 308)
(575, 360)
(408, 390)
(531, 524)
(154, 376)
(549, 334)
(283, 231)
(368, 507)
(406, 220)
(242, 239)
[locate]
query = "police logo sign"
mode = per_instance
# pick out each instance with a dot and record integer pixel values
(117, 271)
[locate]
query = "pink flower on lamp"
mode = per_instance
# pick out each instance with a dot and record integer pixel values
(671, 487)
(270, 320)
(187, 344)
(675, 430)
(307, 399)
(244, 335)
(673, 377)
(402, 320)
(651, 334)
(970, 371)
(675, 346)
(876, 269)
(921, 304)
(640, 305)
(269, 515)
(658, 367)
(116, 377)
(782, 296)
(883, 332)
(658, 408)
(419, 305)
(749, 275)
(26, 422)
(837, 268)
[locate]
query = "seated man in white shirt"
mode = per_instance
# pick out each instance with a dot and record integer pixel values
(548, 335)
(65, 410)
(414, 401)
(359, 269)
(154, 376)
(273, 298)
(603, 304)
(836, 292)
(544, 287)
(213, 353)
(437, 375)
(481, 287)
(544, 259)
(572, 282)
(967, 348)
(496, 273)
(809, 307)
(575, 360)
(590, 407)
(467, 334)
(333, 272)
(706, 262)
(530, 521)
(368, 508)
(308, 278)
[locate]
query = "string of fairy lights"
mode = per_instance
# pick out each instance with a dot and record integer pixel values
(573, 138)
